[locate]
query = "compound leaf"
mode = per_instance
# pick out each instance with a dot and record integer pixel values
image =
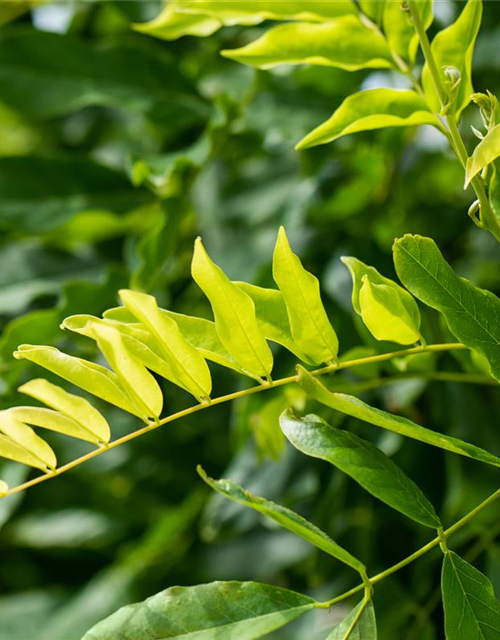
(24, 437)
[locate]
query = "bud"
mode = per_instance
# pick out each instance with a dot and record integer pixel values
(488, 107)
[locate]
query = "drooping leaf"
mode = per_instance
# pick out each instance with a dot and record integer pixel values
(222, 610)
(171, 23)
(187, 363)
(365, 627)
(12, 451)
(471, 609)
(486, 152)
(284, 517)
(371, 109)
(389, 312)
(400, 32)
(361, 460)
(90, 422)
(345, 43)
(250, 12)
(472, 314)
(234, 313)
(91, 377)
(24, 437)
(311, 328)
(356, 408)
(453, 47)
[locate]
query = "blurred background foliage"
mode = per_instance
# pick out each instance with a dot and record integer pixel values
(116, 151)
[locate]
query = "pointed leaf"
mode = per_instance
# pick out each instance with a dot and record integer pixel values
(356, 408)
(26, 438)
(89, 376)
(234, 313)
(453, 47)
(470, 607)
(187, 363)
(222, 610)
(284, 517)
(311, 328)
(171, 24)
(361, 460)
(12, 451)
(344, 42)
(486, 152)
(90, 421)
(472, 314)
(365, 627)
(53, 420)
(371, 109)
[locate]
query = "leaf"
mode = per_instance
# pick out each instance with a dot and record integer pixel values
(356, 408)
(472, 314)
(45, 75)
(453, 47)
(311, 328)
(4, 487)
(234, 313)
(187, 363)
(371, 109)
(361, 460)
(222, 610)
(345, 43)
(171, 24)
(40, 194)
(25, 438)
(91, 424)
(250, 12)
(89, 376)
(400, 32)
(284, 517)
(486, 152)
(471, 609)
(374, 9)
(139, 384)
(272, 317)
(12, 451)
(365, 627)
(389, 312)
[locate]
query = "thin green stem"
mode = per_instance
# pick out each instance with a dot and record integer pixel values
(222, 399)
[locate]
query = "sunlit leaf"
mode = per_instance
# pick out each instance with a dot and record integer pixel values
(4, 487)
(24, 437)
(222, 610)
(486, 152)
(400, 32)
(472, 314)
(311, 328)
(345, 43)
(171, 24)
(471, 609)
(371, 109)
(91, 424)
(234, 313)
(284, 517)
(374, 9)
(361, 460)
(365, 625)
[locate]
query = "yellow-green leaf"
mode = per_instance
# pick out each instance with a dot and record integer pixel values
(4, 487)
(234, 313)
(26, 438)
(399, 29)
(345, 43)
(91, 424)
(371, 109)
(486, 152)
(171, 24)
(311, 328)
(12, 451)
(53, 420)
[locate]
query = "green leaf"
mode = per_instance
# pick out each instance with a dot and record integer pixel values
(4, 487)
(89, 376)
(91, 424)
(472, 314)
(361, 460)
(400, 32)
(272, 318)
(234, 313)
(12, 451)
(45, 75)
(356, 408)
(25, 438)
(345, 43)
(222, 610)
(250, 12)
(284, 517)
(365, 627)
(471, 609)
(171, 24)
(371, 109)
(453, 47)
(486, 152)
(187, 363)
(311, 328)
(374, 9)
(389, 312)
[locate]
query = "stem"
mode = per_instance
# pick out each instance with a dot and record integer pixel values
(227, 398)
